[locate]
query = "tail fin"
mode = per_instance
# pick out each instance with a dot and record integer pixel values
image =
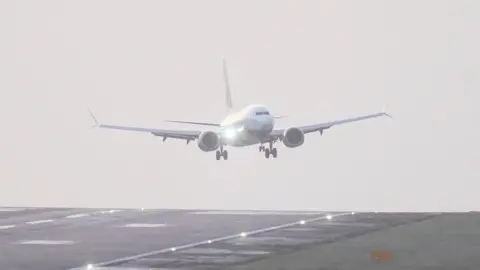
(228, 94)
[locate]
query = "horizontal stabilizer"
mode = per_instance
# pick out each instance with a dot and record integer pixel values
(194, 123)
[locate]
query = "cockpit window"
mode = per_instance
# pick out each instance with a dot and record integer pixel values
(262, 113)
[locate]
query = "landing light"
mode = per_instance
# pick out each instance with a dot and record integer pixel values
(243, 234)
(89, 266)
(230, 133)
(329, 217)
(302, 222)
(173, 249)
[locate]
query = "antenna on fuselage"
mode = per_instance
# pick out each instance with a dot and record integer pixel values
(228, 94)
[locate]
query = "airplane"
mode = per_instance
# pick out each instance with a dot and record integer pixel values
(252, 125)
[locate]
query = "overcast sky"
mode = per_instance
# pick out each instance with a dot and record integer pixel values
(142, 62)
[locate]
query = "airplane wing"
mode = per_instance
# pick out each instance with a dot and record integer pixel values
(322, 126)
(188, 135)
(194, 123)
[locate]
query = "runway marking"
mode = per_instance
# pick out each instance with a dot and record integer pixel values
(6, 209)
(4, 227)
(145, 225)
(355, 224)
(209, 241)
(108, 211)
(263, 213)
(78, 215)
(40, 221)
(45, 242)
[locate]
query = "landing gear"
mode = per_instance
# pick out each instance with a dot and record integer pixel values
(269, 151)
(221, 153)
(274, 152)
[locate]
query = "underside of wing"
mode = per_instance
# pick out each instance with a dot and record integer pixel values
(194, 123)
(166, 133)
(322, 126)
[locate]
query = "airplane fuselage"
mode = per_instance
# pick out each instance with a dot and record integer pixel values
(249, 126)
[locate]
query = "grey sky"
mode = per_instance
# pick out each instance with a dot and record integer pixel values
(142, 62)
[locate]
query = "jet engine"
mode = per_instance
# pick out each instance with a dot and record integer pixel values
(293, 137)
(208, 141)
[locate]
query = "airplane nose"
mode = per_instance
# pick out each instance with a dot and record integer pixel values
(256, 125)
(253, 124)
(267, 126)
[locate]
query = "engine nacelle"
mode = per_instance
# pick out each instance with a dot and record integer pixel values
(208, 141)
(293, 137)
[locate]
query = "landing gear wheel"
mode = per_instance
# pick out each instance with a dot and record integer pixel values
(274, 152)
(218, 155)
(267, 153)
(260, 148)
(225, 154)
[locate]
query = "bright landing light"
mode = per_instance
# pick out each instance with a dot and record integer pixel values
(329, 217)
(230, 133)
(302, 222)
(89, 266)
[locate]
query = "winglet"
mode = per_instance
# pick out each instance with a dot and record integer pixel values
(94, 119)
(384, 111)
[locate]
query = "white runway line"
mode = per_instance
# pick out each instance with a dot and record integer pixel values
(45, 242)
(263, 213)
(238, 235)
(6, 209)
(40, 221)
(146, 225)
(4, 227)
(356, 224)
(78, 215)
(108, 211)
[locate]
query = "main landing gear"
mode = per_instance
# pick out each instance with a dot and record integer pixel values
(221, 153)
(268, 151)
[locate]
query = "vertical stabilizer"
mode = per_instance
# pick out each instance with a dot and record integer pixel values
(228, 94)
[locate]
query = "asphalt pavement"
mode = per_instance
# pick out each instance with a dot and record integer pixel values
(68, 238)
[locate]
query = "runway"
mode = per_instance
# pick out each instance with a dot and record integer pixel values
(59, 238)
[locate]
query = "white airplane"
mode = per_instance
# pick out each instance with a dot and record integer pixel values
(252, 125)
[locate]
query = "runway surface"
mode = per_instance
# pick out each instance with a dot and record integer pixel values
(50, 238)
